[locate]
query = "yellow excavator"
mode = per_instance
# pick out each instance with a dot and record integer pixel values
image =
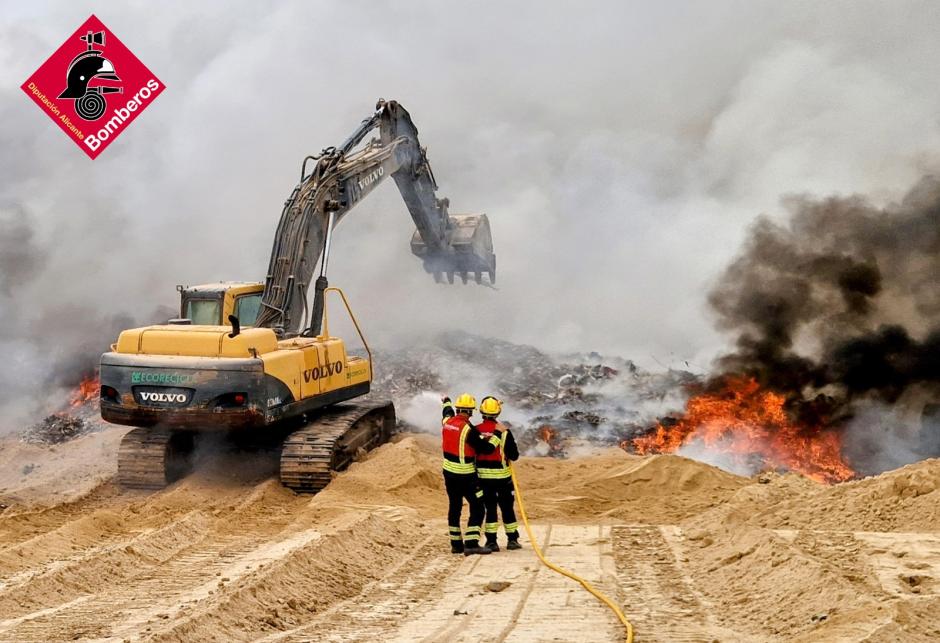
(254, 359)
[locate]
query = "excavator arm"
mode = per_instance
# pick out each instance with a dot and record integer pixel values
(340, 178)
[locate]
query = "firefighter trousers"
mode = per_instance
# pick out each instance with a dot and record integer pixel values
(498, 495)
(460, 487)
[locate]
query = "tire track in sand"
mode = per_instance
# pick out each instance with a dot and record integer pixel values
(660, 598)
(118, 588)
(436, 596)
(391, 599)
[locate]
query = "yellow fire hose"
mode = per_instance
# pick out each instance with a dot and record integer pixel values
(585, 584)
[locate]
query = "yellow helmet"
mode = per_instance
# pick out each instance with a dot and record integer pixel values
(490, 406)
(466, 401)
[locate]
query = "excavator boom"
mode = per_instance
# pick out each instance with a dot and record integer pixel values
(339, 179)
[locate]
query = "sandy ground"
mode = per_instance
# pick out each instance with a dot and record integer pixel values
(691, 553)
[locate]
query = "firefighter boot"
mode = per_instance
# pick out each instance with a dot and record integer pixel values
(456, 546)
(472, 547)
(513, 543)
(491, 543)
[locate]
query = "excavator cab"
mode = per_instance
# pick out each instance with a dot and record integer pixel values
(211, 304)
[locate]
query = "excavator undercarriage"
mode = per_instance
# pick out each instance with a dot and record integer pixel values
(153, 457)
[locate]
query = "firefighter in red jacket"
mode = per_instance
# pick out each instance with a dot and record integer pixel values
(495, 477)
(462, 444)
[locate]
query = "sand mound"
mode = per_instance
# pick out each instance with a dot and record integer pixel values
(665, 475)
(772, 585)
(403, 473)
(39, 473)
(617, 486)
(907, 499)
(794, 559)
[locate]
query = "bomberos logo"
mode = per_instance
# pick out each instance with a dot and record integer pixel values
(105, 87)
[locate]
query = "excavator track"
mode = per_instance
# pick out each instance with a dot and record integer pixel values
(152, 458)
(331, 442)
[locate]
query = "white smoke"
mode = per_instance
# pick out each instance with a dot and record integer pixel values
(620, 151)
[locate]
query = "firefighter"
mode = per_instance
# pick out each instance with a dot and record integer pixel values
(495, 477)
(462, 443)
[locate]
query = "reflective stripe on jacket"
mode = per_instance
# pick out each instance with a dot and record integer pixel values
(493, 466)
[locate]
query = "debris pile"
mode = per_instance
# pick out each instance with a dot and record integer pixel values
(411, 374)
(78, 415)
(552, 402)
(56, 429)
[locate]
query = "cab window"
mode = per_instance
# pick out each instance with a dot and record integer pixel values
(246, 309)
(204, 312)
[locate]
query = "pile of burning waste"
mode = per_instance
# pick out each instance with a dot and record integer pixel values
(554, 404)
(78, 416)
(551, 402)
(55, 429)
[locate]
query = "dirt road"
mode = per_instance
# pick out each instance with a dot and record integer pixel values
(690, 552)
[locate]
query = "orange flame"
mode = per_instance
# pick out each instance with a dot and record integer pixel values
(86, 390)
(748, 422)
(546, 433)
(549, 436)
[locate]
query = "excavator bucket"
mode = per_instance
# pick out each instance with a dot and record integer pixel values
(469, 252)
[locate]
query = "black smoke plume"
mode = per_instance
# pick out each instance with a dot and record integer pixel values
(839, 308)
